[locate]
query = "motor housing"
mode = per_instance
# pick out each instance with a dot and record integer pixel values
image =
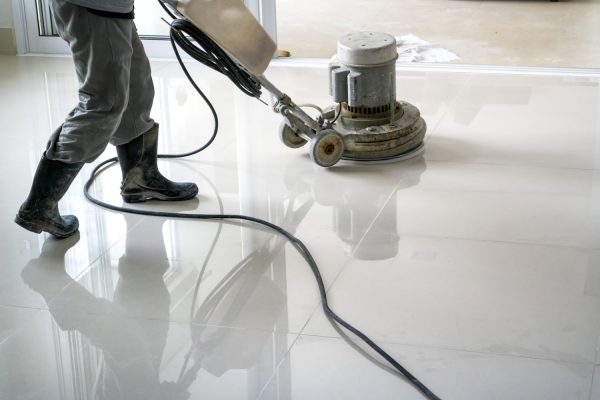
(363, 79)
(375, 126)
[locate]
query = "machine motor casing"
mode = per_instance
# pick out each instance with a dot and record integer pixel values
(363, 81)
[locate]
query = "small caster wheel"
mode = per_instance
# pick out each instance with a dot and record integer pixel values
(288, 136)
(326, 148)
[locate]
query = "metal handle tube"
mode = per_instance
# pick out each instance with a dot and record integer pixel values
(291, 107)
(270, 87)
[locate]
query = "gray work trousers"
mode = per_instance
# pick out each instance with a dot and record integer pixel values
(116, 91)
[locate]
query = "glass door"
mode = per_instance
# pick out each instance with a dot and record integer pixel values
(39, 31)
(38, 34)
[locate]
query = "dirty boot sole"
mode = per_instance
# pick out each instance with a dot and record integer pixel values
(37, 226)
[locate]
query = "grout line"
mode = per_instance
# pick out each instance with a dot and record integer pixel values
(597, 361)
(368, 230)
(25, 324)
(456, 349)
(593, 381)
(472, 239)
(493, 164)
(278, 367)
(181, 322)
(497, 193)
(431, 132)
(14, 306)
(465, 238)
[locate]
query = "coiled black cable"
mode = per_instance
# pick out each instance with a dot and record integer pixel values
(211, 55)
(204, 50)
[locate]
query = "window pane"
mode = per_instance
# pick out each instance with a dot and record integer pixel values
(45, 18)
(148, 20)
(149, 17)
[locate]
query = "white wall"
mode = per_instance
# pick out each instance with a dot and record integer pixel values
(6, 18)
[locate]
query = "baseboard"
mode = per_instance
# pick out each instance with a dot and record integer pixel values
(8, 45)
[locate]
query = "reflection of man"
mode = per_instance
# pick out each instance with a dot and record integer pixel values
(131, 331)
(115, 99)
(132, 347)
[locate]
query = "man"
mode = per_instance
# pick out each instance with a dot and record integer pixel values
(115, 99)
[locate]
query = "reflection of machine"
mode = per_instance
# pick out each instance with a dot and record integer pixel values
(245, 296)
(366, 124)
(358, 208)
(244, 293)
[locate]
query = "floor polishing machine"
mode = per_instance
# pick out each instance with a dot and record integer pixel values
(366, 123)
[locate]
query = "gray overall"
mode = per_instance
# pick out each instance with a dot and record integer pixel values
(116, 91)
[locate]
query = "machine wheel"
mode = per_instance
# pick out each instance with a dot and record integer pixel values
(327, 148)
(289, 137)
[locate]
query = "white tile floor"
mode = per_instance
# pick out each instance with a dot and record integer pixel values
(477, 265)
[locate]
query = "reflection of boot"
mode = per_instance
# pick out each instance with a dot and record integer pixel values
(141, 178)
(46, 274)
(40, 211)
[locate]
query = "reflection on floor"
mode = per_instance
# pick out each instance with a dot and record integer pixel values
(477, 265)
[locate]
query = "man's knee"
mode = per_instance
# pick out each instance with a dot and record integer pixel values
(105, 106)
(75, 144)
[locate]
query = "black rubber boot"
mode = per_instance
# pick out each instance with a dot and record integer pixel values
(40, 211)
(141, 178)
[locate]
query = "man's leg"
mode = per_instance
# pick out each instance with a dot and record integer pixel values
(102, 54)
(101, 49)
(136, 119)
(137, 140)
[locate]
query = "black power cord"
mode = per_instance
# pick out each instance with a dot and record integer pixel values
(203, 49)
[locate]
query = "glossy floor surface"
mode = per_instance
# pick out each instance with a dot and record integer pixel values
(538, 33)
(476, 265)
